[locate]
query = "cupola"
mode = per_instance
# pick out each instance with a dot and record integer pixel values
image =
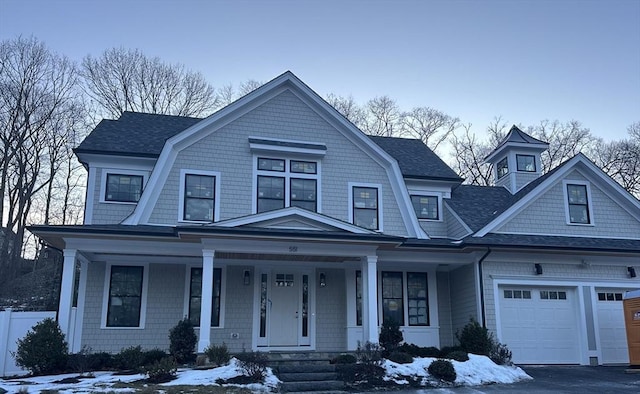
(516, 160)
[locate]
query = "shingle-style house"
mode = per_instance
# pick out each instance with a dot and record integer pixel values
(276, 225)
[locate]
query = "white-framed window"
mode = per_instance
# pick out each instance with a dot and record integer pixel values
(426, 206)
(122, 186)
(525, 163)
(198, 197)
(502, 168)
(578, 202)
(284, 182)
(125, 296)
(365, 205)
(193, 296)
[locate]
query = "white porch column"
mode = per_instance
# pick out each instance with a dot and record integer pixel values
(370, 299)
(66, 292)
(207, 299)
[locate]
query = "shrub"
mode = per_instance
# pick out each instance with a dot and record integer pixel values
(458, 355)
(369, 354)
(344, 359)
(442, 369)
(444, 352)
(355, 373)
(153, 355)
(183, 341)
(131, 358)
(100, 361)
(43, 350)
(253, 365)
(400, 357)
(218, 355)
(418, 351)
(80, 362)
(390, 336)
(475, 339)
(501, 354)
(161, 371)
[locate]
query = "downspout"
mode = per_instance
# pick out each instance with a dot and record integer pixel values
(483, 313)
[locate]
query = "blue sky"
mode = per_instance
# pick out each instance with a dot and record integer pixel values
(522, 60)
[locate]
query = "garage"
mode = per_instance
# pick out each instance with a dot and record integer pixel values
(540, 324)
(613, 337)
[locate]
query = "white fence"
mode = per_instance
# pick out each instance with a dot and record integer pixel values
(14, 326)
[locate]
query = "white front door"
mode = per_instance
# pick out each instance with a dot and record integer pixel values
(285, 298)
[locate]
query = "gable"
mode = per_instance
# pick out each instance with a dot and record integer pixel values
(546, 214)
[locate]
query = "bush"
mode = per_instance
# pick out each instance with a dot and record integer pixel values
(129, 359)
(100, 361)
(458, 355)
(43, 350)
(400, 357)
(253, 365)
(183, 341)
(475, 339)
(442, 369)
(418, 351)
(445, 351)
(361, 373)
(162, 370)
(501, 354)
(80, 362)
(152, 356)
(344, 359)
(218, 355)
(369, 354)
(390, 336)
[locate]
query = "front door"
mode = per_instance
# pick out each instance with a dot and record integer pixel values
(284, 319)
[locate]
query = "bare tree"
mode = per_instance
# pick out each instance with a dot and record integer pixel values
(383, 117)
(565, 141)
(431, 126)
(348, 108)
(468, 157)
(126, 80)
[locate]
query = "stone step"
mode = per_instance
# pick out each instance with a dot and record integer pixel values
(315, 386)
(298, 368)
(307, 376)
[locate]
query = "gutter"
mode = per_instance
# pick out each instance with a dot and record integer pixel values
(480, 283)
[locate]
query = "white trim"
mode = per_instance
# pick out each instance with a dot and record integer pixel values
(287, 175)
(143, 301)
(117, 171)
(590, 213)
(259, 148)
(565, 235)
(223, 290)
(216, 194)
(377, 186)
(90, 195)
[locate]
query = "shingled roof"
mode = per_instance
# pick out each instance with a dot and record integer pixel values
(478, 205)
(142, 134)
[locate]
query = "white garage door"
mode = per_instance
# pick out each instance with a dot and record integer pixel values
(613, 337)
(540, 324)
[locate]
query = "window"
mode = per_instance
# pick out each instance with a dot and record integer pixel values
(358, 298)
(125, 296)
(123, 188)
(518, 294)
(609, 296)
(199, 197)
(426, 207)
(578, 204)
(417, 299)
(392, 307)
(295, 186)
(502, 167)
(195, 296)
(365, 207)
(526, 163)
(553, 295)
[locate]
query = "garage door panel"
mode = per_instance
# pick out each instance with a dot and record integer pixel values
(613, 335)
(541, 328)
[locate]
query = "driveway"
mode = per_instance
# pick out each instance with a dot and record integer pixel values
(558, 379)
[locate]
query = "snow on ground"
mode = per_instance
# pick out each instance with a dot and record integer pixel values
(478, 370)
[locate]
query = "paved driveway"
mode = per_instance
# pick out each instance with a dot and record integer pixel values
(558, 379)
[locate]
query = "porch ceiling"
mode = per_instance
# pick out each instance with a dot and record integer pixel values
(284, 257)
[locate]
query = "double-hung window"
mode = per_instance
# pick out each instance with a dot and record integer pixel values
(426, 207)
(199, 196)
(365, 207)
(578, 204)
(195, 296)
(286, 183)
(125, 296)
(392, 305)
(123, 188)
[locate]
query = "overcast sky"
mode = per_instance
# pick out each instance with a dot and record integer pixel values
(523, 60)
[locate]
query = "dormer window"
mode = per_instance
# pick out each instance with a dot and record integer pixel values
(365, 207)
(578, 202)
(526, 163)
(426, 207)
(123, 188)
(198, 196)
(502, 168)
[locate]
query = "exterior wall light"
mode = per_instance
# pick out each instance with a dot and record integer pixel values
(323, 279)
(632, 272)
(538, 268)
(246, 278)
